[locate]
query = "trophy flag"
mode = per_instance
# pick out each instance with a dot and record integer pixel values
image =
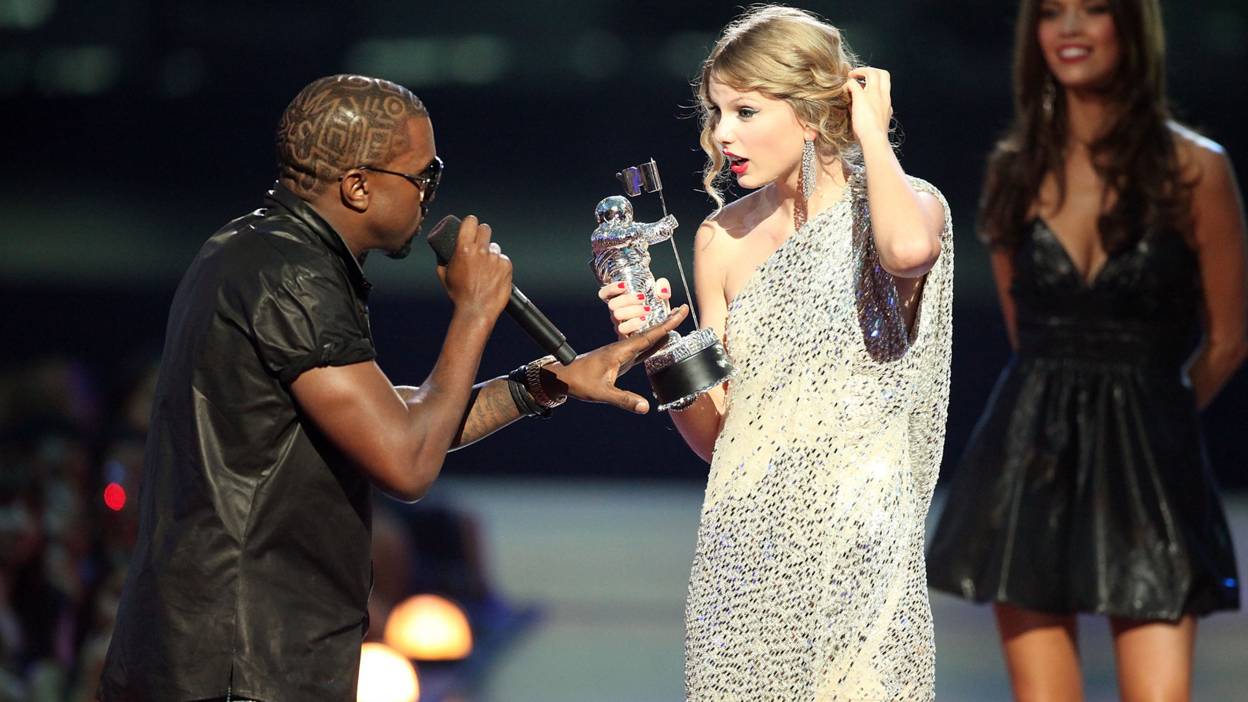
(642, 178)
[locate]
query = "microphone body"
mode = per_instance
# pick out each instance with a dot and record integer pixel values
(442, 240)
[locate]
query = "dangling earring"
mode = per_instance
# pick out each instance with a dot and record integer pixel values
(809, 176)
(805, 183)
(1047, 95)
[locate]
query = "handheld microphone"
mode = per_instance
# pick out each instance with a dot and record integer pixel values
(443, 239)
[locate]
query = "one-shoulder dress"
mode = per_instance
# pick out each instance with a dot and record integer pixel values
(808, 580)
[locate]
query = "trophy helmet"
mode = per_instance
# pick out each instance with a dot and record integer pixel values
(615, 209)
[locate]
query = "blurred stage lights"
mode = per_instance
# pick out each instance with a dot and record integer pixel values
(386, 676)
(115, 497)
(475, 59)
(25, 14)
(429, 628)
(77, 70)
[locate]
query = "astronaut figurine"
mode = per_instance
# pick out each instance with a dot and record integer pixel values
(685, 367)
(621, 251)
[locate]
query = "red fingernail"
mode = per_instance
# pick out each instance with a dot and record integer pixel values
(643, 317)
(640, 296)
(664, 290)
(621, 286)
(646, 308)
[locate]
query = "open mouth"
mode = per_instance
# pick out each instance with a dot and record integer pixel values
(736, 164)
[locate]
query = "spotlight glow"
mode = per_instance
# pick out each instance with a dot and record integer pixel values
(386, 676)
(429, 628)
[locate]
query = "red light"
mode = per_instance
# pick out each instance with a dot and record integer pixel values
(115, 497)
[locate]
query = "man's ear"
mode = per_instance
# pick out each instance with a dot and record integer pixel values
(353, 189)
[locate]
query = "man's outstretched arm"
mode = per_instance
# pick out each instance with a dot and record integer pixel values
(400, 435)
(589, 378)
(490, 408)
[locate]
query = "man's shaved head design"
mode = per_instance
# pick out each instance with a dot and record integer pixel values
(340, 122)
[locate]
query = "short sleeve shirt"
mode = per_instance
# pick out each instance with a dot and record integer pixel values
(251, 573)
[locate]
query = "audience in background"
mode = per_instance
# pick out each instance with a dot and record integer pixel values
(66, 535)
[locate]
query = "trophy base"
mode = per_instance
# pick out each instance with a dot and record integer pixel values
(686, 368)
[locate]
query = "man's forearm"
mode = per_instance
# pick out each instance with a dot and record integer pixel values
(490, 408)
(436, 408)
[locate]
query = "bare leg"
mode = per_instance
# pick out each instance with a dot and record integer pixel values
(1041, 654)
(1154, 659)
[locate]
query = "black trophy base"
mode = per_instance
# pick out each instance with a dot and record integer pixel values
(686, 368)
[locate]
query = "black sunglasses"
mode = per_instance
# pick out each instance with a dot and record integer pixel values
(427, 180)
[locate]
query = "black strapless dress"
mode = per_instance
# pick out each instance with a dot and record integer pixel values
(1085, 486)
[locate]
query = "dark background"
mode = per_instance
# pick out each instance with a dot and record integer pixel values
(133, 129)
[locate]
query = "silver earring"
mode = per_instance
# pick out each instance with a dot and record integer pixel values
(808, 169)
(1048, 95)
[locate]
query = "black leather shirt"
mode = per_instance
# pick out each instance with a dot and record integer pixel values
(252, 572)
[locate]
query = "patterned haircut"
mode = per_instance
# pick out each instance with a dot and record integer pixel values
(339, 122)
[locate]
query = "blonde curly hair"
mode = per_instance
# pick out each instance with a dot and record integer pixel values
(786, 54)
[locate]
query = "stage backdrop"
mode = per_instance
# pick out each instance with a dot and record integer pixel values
(134, 129)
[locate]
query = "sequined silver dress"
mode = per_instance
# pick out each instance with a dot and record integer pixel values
(808, 579)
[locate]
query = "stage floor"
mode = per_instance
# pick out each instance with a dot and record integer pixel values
(607, 562)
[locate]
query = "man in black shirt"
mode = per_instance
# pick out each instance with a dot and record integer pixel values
(251, 575)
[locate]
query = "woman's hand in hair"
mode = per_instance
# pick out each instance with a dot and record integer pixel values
(871, 109)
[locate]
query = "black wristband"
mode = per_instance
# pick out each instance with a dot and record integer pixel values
(522, 397)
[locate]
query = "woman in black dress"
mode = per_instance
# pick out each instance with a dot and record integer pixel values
(1116, 235)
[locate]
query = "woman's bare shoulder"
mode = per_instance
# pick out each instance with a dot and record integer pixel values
(735, 220)
(1198, 154)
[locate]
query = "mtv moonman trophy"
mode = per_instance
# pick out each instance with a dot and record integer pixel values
(685, 367)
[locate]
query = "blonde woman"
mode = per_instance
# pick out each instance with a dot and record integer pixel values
(831, 285)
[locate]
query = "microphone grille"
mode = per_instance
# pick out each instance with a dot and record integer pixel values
(443, 238)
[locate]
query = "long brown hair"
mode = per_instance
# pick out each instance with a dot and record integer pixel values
(1136, 157)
